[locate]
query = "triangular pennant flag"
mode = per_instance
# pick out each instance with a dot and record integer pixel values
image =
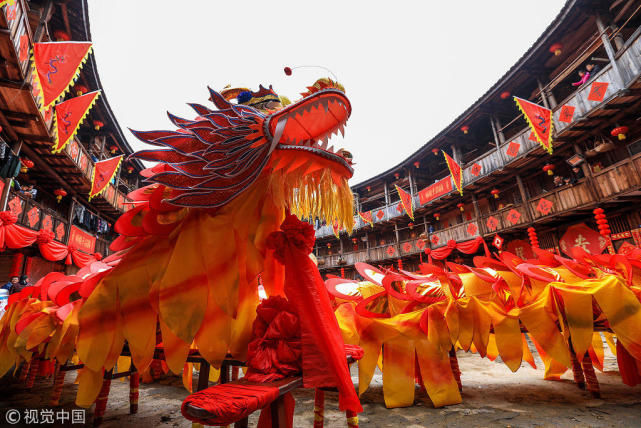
(367, 217)
(69, 115)
(7, 2)
(455, 171)
(540, 120)
(103, 173)
(56, 66)
(336, 228)
(406, 201)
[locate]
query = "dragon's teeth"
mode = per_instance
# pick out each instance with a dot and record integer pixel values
(331, 149)
(341, 129)
(325, 142)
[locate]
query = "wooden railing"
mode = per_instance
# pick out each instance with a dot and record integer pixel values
(619, 178)
(505, 218)
(35, 216)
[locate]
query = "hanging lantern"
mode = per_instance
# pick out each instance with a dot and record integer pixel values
(435, 151)
(437, 216)
(549, 168)
(465, 129)
(80, 89)
(619, 132)
(113, 149)
(369, 188)
(130, 169)
(461, 206)
(397, 175)
(534, 240)
(556, 49)
(329, 245)
(411, 225)
(417, 164)
(61, 36)
(97, 125)
(26, 164)
(354, 240)
(60, 193)
(288, 71)
(495, 193)
(604, 227)
(504, 95)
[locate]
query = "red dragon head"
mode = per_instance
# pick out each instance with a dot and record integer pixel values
(214, 158)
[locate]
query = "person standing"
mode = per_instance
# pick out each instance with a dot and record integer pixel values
(14, 280)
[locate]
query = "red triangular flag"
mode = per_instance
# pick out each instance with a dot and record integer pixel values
(56, 66)
(455, 171)
(336, 228)
(103, 172)
(367, 217)
(540, 121)
(69, 116)
(406, 201)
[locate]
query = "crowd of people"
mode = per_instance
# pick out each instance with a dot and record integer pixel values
(16, 284)
(591, 70)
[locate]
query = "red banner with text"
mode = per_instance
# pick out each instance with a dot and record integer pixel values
(81, 240)
(437, 189)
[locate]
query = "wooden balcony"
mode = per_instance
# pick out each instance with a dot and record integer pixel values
(561, 200)
(504, 219)
(460, 232)
(35, 216)
(620, 178)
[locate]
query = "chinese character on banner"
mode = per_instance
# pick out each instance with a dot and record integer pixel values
(566, 114)
(513, 216)
(47, 223)
(15, 205)
(407, 247)
(521, 248)
(23, 53)
(420, 244)
(475, 170)
(390, 250)
(380, 214)
(60, 231)
(532, 137)
(579, 235)
(435, 239)
(497, 241)
(492, 223)
(513, 149)
(597, 91)
(399, 208)
(34, 216)
(472, 229)
(74, 150)
(544, 206)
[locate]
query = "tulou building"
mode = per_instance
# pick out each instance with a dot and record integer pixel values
(585, 68)
(49, 153)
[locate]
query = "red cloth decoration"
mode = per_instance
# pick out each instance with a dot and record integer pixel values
(367, 217)
(380, 214)
(390, 250)
(513, 149)
(435, 190)
(102, 174)
(322, 345)
(407, 247)
(492, 223)
(476, 169)
(597, 91)
(513, 216)
(23, 51)
(13, 235)
(580, 235)
(544, 206)
(471, 229)
(540, 120)
(406, 201)
(69, 116)
(56, 65)
(467, 247)
(229, 402)
(275, 350)
(455, 171)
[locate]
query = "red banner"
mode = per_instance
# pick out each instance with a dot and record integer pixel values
(69, 115)
(540, 121)
(103, 172)
(56, 66)
(582, 236)
(406, 201)
(437, 189)
(81, 240)
(456, 171)
(367, 217)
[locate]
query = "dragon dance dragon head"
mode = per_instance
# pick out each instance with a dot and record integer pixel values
(211, 160)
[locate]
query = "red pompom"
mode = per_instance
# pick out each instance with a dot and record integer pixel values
(288, 71)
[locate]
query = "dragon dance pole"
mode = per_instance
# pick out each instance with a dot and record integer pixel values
(319, 408)
(33, 371)
(134, 383)
(352, 419)
(58, 382)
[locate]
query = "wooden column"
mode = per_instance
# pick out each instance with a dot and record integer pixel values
(70, 218)
(456, 154)
(411, 182)
(477, 213)
(387, 197)
(526, 204)
(609, 50)
(543, 94)
(588, 174)
(497, 139)
(398, 240)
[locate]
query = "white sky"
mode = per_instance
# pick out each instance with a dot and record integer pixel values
(408, 67)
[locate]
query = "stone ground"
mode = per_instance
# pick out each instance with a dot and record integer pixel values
(492, 397)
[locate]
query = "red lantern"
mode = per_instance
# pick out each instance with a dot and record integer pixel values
(60, 193)
(97, 125)
(435, 151)
(437, 216)
(411, 225)
(329, 245)
(604, 227)
(465, 129)
(504, 95)
(461, 206)
(556, 49)
(495, 193)
(26, 164)
(534, 240)
(417, 164)
(130, 169)
(549, 168)
(619, 132)
(354, 240)
(61, 36)
(397, 175)
(288, 71)
(113, 149)
(81, 89)
(368, 188)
